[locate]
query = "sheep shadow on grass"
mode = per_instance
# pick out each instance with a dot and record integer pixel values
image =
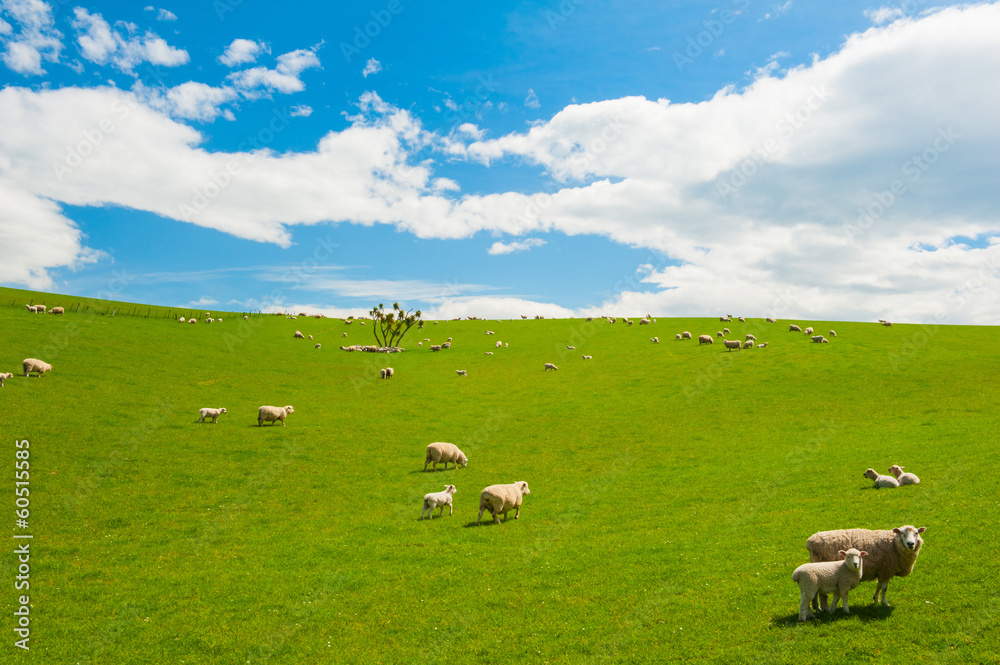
(864, 613)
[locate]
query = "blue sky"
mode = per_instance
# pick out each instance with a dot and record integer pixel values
(820, 160)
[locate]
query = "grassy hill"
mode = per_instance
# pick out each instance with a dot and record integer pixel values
(673, 487)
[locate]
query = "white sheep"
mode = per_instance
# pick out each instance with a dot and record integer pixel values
(500, 499)
(726, 331)
(446, 345)
(299, 335)
(499, 344)
(749, 336)
(549, 366)
(345, 335)
(771, 319)
(741, 320)
(210, 413)
(209, 320)
(833, 333)
(31, 308)
(271, 414)
(818, 339)
(438, 500)
(720, 334)
(887, 324)
(732, 344)
(35, 365)
(39, 309)
(880, 480)
(654, 340)
(747, 344)
(318, 346)
(181, 320)
(762, 345)
(489, 353)
(461, 372)
(310, 336)
(793, 328)
(890, 553)
(685, 335)
(705, 339)
(506, 345)
(57, 310)
(245, 317)
(388, 372)
(643, 322)
(441, 452)
(678, 336)
(821, 578)
(4, 376)
(435, 347)
(587, 357)
(571, 348)
(808, 331)
(903, 478)
(192, 320)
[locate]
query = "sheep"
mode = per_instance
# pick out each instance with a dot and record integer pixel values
(446, 345)
(751, 337)
(506, 345)
(732, 344)
(57, 310)
(819, 579)
(449, 339)
(461, 372)
(310, 336)
(705, 339)
(762, 345)
(435, 347)
(890, 553)
(499, 344)
(35, 365)
(7, 375)
(40, 309)
(654, 340)
(678, 337)
(722, 319)
(570, 348)
(833, 333)
(588, 357)
(219, 320)
(771, 319)
(441, 452)
(345, 335)
(808, 331)
(490, 332)
(318, 346)
(887, 324)
(299, 335)
(489, 353)
(31, 308)
(210, 413)
(245, 317)
(794, 328)
(685, 335)
(720, 334)
(388, 372)
(500, 499)
(726, 331)
(181, 320)
(192, 321)
(896, 470)
(825, 341)
(643, 322)
(549, 366)
(881, 481)
(440, 500)
(817, 339)
(747, 344)
(742, 320)
(273, 413)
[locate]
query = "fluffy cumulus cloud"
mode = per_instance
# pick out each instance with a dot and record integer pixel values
(516, 246)
(373, 66)
(858, 186)
(102, 44)
(242, 51)
(30, 36)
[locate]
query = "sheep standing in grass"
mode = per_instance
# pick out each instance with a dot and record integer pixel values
(388, 372)
(318, 346)
(833, 333)
(549, 366)
(441, 452)
(461, 372)
(808, 331)
(817, 339)
(747, 344)
(35, 365)
(771, 319)
(732, 344)
(793, 328)
(890, 553)
(705, 339)
(654, 340)
(271, 414)
(819, 579)
(880, 480)
(751, 337)
(181, 320)
(500, 499)
(726, 331)
(192, 321)
(741, 320)
(40, 309)
(435, 347)
(4, 376)
(587, 357)
(210, 413)
(31, 308)
(678, 337)
(299, 335)
(57, 310)
(438, 500)
(720, 334)
(887, 324)
(685, 335)
(903, 478)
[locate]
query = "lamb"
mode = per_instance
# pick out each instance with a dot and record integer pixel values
(585, 358)
(549, 366)
(181, 320)
(751, 337)
(299, 335)
(31, 308)
(571, 348)
(273, 413)
(732, 344)
(762, 346)
(438, 500)
(833, 333)
(808, 331)
(895, 469)
(678, 336)
(35, 365)
(819, 579)
(881, 481)
(192, 320)
(57, 310)
(890, 553)
(794, 328)
(705, 339)
(442, 452)
(747, 344)
(818, 339)
(7, 375)
(685, 335)
(500, 499)
(654, 340)
(461, 372)
(726, 331)
(210, 413)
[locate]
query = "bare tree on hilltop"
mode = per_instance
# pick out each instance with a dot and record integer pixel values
(392, 325)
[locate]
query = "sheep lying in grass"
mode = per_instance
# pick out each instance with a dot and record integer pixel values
(461, 372)
(880, 480)
(210, 413)
(890, 553)
(500, 499)
(441, 452)
(705, 339)
(489, 353)
(819, 579)
(570, 348)
(762, 345)
(587, 357)
(271, 414)
(549, 366)
(4, 376)
(903, 478)
(35, 365)
(438, 500)
(732, 344)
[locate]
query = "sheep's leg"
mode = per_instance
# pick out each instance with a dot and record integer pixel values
(815, 602)
(883, 586)
(836, 600)
(481, 509)
(451, 510)
(495, 518)
(441, 514)
(847, 608)
(824, 602)
(805, 611)
(517, 512)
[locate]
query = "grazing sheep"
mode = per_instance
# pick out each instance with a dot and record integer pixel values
(762, 345)
(523, 316)
(299, 335)
(318, 346)
(771, 320)
(549, 366)
(732, 344)
(654, 340)
(500, 499)
(794, 328)
(181, 320)
(499, 344)
(489, 353)
(808, 331)
(31, 308)
(57, 310)
(39, 309)
(441, 452)
(446, 345)
(210, 413)
(881, 481)
(825, 341)
(817, 339)
(747, 344)
(751, 337)
(273, 413)
(310, 336)
(571, 348)
(726, 331)
(461, 372)
(833, 333)
(887, 324)
(819, 579)
(435, 347)
(705, 339)
(192, 321)
(742, 320)
(588, 357)
(345, 335)
(449, 339)
(7, 375)
(245, 317)
(685, 335)
(678, 336)
(442, 499)
(896, 470)
(890, 553)
(720, 334)
(722, 319)
(643, 322)
(388, 372)
(35, 365)
(506, 345)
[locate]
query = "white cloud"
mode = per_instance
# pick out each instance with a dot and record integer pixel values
(531, 101)
(242, 51)
(778, 10)
(883, 14)
(101, 44)
(166, 15)
(191, 100)
(300, 111)
(516, 246)
(283, 78)
(373, 66)
(34, 40)
(204, 301)
(493, 307)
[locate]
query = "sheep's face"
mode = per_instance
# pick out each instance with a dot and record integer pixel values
(289, 409)
(909, 536)
(462, 460)
(896, 470)
(852, 557)
(523, 486)
(450, 489)
(222, 410)
(870, 473)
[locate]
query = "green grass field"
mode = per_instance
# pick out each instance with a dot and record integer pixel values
(673, 488)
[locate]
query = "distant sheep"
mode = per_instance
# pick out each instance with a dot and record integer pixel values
(499, 344)
(299, 335)
(587, 357)
(35, 365)
(210, 413)
(387, 372)
(643, 322)
(732, 344)
(57, 310)
(435, 347)
(192, 321)
(40, 309)
(903, 478)
(747, 344)
(820, 578)
(880, 480)
(833, 333)
(887, 324)
(441, 452)
(685, 335)
(751, 337)
(549, 366)
(705, 339)
(318, 346)
(742, 320)
(726, 331)
(31, 308)
(489, 353)
(501, 499)
(762, 345)
(771, 320)
(181, 320)
(654, 340)
(794, 328)
(446, 345)
(440, 500)
(678, 337)
(720, 334)
(461, 372)
(808, 331)
(4, 376)
(271, 414)
(571, 348)
(310, 336)
(818, 339)
(345, 335)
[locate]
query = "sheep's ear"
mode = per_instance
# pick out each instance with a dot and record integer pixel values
(842, 553)
(896, 530)
(864, 554)
(922, 529)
